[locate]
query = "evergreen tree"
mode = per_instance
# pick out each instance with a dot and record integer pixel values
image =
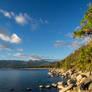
(85, 25)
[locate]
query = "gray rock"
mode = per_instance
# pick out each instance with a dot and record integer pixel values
(47, 86)
(71, 81)
(87, 84)
(65, 89)
(40, 86)
(90, 87)
(54, 85)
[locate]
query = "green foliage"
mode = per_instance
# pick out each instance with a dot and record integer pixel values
(81, 59)
(86, 25)
(78, 34)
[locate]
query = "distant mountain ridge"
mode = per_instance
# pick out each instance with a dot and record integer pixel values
(20, 63)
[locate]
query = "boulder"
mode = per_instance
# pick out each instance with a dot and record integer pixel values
(71, 81)
(60, 86)
(54, 85)
(47, 86)
(60, 83)
(49, 73)
(90, 87)
(71, 71)
(40, 86)
(81, 81)
(88, 74)
(65, 89)
(79, 77)
(86, 84)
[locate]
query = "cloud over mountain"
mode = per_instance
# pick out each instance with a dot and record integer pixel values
(35, 57)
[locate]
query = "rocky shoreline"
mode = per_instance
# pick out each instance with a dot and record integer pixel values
(72, 81)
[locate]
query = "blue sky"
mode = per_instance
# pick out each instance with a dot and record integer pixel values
(39, 29)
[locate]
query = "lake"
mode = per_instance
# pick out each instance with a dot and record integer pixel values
(19, 79)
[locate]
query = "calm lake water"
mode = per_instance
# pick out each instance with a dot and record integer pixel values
(26, 78)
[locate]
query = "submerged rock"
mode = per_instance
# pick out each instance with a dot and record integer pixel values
(28, 89)
(54, 85)
(40, 86)
(49, 73)
(11, 89)
(47, 86)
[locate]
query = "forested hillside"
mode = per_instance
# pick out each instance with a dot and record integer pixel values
(81, 59)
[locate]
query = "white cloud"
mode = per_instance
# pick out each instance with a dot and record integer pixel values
(5, 13)
(5, 46)
(45, 57)
(4, 35)
(35, 57)
(77, 28)
(60, 43)
(12, 39)
(79, 43)
(76, 44)
(15, 39)
(24, 18)
(69, 35)
(21, 19)
(32, 57)
(20, 54)
(20, 49)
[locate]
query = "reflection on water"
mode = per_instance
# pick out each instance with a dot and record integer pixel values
(21, 79)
